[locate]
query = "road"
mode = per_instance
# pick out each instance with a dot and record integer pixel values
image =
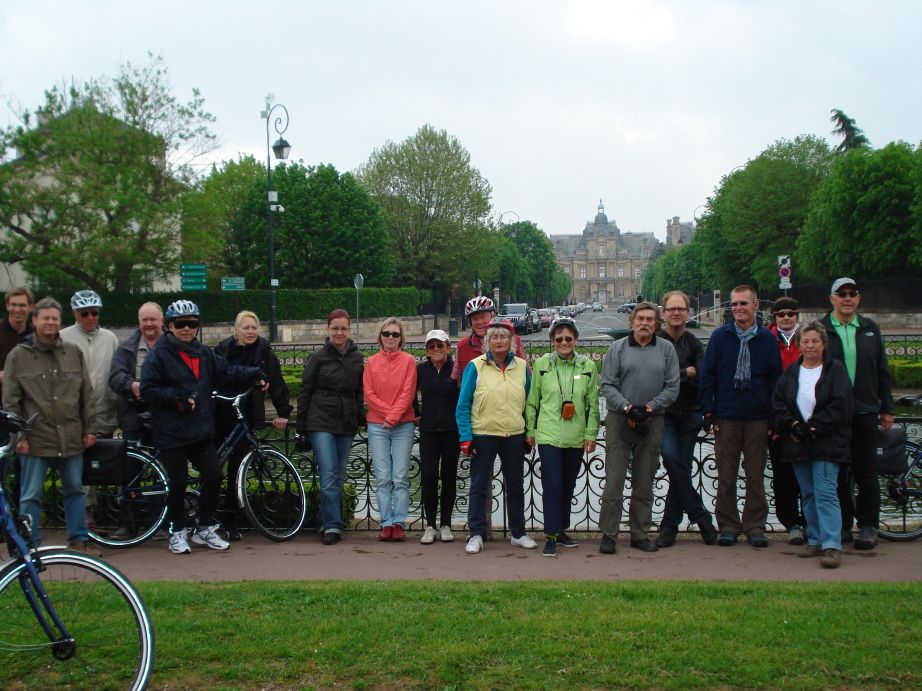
(589, 323)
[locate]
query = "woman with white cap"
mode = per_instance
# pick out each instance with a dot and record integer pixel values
(438, 436)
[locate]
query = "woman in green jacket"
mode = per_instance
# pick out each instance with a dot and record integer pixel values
(562, 416)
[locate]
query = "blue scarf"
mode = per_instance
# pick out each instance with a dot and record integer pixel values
(743, 376)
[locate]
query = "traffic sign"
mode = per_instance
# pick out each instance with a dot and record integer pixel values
(784, 271)
(233, 283)
(193, 276)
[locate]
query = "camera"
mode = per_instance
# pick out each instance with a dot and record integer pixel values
(567, 410)
(638, 414)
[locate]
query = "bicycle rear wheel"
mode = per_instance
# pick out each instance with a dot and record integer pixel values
(901, 499)
(113, 639)
(271, 492)
(129, 514)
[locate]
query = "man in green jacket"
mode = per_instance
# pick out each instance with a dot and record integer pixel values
(49, 378)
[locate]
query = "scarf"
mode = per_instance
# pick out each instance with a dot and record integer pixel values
(742, 378)
(193, 348)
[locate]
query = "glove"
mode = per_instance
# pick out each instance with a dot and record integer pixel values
(183, 405)
(708, 423)
(259, 381)
(466, 448)
(799, 431)
(302, 442)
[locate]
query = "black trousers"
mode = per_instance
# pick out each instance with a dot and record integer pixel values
(862, 504)
(438, 458)
(202, 456)
(786, 490)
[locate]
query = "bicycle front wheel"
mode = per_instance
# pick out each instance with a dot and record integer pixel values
(271, 492)
(127, 515)
(901, 500)
(113, 639)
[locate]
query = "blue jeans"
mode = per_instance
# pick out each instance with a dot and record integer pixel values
(331, 451)
(818, 482)
(559, 470)
(678, 451)
(511, 452)
(390, 456)
(70, 470)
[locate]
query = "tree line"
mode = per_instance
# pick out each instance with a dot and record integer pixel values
(104, 187)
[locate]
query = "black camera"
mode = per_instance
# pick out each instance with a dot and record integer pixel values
(638, 414)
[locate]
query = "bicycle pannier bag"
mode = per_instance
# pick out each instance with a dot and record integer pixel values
(104, 462)
(890, 451)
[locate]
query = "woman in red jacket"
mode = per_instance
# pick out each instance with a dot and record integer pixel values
(389, 382)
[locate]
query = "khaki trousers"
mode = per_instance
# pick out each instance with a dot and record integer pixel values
(749, 438)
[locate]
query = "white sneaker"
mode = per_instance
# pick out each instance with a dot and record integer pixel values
(445, 534)
(474, 545)
(429, 536)
(208, 537)
(524, 542)
(178, 542)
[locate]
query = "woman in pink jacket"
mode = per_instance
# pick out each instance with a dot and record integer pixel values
(390, 387)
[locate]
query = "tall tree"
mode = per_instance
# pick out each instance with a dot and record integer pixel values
(93, 195)
(537, 252)
(434, 201)
(845, 127)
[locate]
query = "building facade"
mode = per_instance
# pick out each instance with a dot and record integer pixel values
(604, 264)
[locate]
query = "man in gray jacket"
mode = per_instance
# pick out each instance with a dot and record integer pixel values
(640, 379)
(49, 377)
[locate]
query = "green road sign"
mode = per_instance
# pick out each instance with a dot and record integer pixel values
(233, 283)
(193, 276)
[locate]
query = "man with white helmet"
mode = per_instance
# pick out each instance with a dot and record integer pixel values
(479, 310)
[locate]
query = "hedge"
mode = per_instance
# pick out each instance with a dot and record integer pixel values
(906, 374)
(121, 309)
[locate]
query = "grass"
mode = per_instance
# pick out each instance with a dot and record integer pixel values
(427, 635)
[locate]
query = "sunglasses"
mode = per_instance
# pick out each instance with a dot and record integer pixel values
(564, 339)
(676, 309)
(437, 345)
(847, 293)
(186, 324)
(390, 334)
(786, 313)
(89, 313)
(741, 303)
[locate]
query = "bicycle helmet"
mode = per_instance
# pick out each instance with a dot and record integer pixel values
(560, 322)
(481, 303)
(84, 299)
(503, 323)
(181, 308)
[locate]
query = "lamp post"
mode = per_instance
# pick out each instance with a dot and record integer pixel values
(281, 148)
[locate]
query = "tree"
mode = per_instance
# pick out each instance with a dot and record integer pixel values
(436, 205)
(845, 127)
(542, 284)
(93, 198)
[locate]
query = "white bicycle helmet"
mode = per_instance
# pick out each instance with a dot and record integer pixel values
(561, 322)
(84, 299)
(181, 308)
(481, 303)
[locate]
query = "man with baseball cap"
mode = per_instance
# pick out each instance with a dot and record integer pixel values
(855, 340)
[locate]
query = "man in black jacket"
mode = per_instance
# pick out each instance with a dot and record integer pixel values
(856, 341)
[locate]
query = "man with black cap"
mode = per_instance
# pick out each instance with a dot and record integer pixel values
(856, 341)
(787, 492)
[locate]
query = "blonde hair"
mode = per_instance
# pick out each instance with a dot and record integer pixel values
(238, 321)
(384, 325)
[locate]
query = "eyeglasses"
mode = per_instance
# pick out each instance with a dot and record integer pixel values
(786, 313)
(435, 345)
(390, 334)
(186, 324)
(676, 309)
(339, 328)
(741, 303)
(847, 293)
(564, 339)
(89, 313)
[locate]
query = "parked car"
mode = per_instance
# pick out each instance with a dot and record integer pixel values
(596, 306)
(546, 316)
(627, 307)
(521, 317)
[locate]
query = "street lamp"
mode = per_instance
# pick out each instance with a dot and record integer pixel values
(281, 149)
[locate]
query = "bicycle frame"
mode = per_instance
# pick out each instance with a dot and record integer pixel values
(241, 430)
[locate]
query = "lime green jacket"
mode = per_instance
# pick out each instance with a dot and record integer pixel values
(553, 381)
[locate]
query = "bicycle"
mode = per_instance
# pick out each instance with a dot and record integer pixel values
(901, 499)
(65, 617)
(269, 489)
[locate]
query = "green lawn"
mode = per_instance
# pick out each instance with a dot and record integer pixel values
(438, 635)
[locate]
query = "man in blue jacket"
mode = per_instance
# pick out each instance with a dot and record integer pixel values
(741, 367)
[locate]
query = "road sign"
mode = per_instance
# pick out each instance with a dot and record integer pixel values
(784, 271)
(233, 283)
(193, 276)
(358, 281)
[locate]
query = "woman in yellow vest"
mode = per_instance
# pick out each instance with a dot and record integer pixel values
(491, 421)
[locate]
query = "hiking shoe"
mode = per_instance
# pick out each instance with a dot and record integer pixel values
(831, 559)
(550, 548)
(757, 540)
(867, 538)
(810, 551)
(445, 534)
(330, 538)
(84, 546)
(565, 540)
(207, 536)
(608, 545)
(525, 542)
(726, 539)
(386, 534)
(474, 544)
(178, 542)
(429, 536)
(796, 535)
(666, 538)
(645, 545)
(708, 532)
(397, 533)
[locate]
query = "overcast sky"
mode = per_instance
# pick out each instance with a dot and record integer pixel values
(642, 104)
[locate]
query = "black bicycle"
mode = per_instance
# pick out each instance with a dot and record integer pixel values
(269, 489)
(901, 499)
(65, 616)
